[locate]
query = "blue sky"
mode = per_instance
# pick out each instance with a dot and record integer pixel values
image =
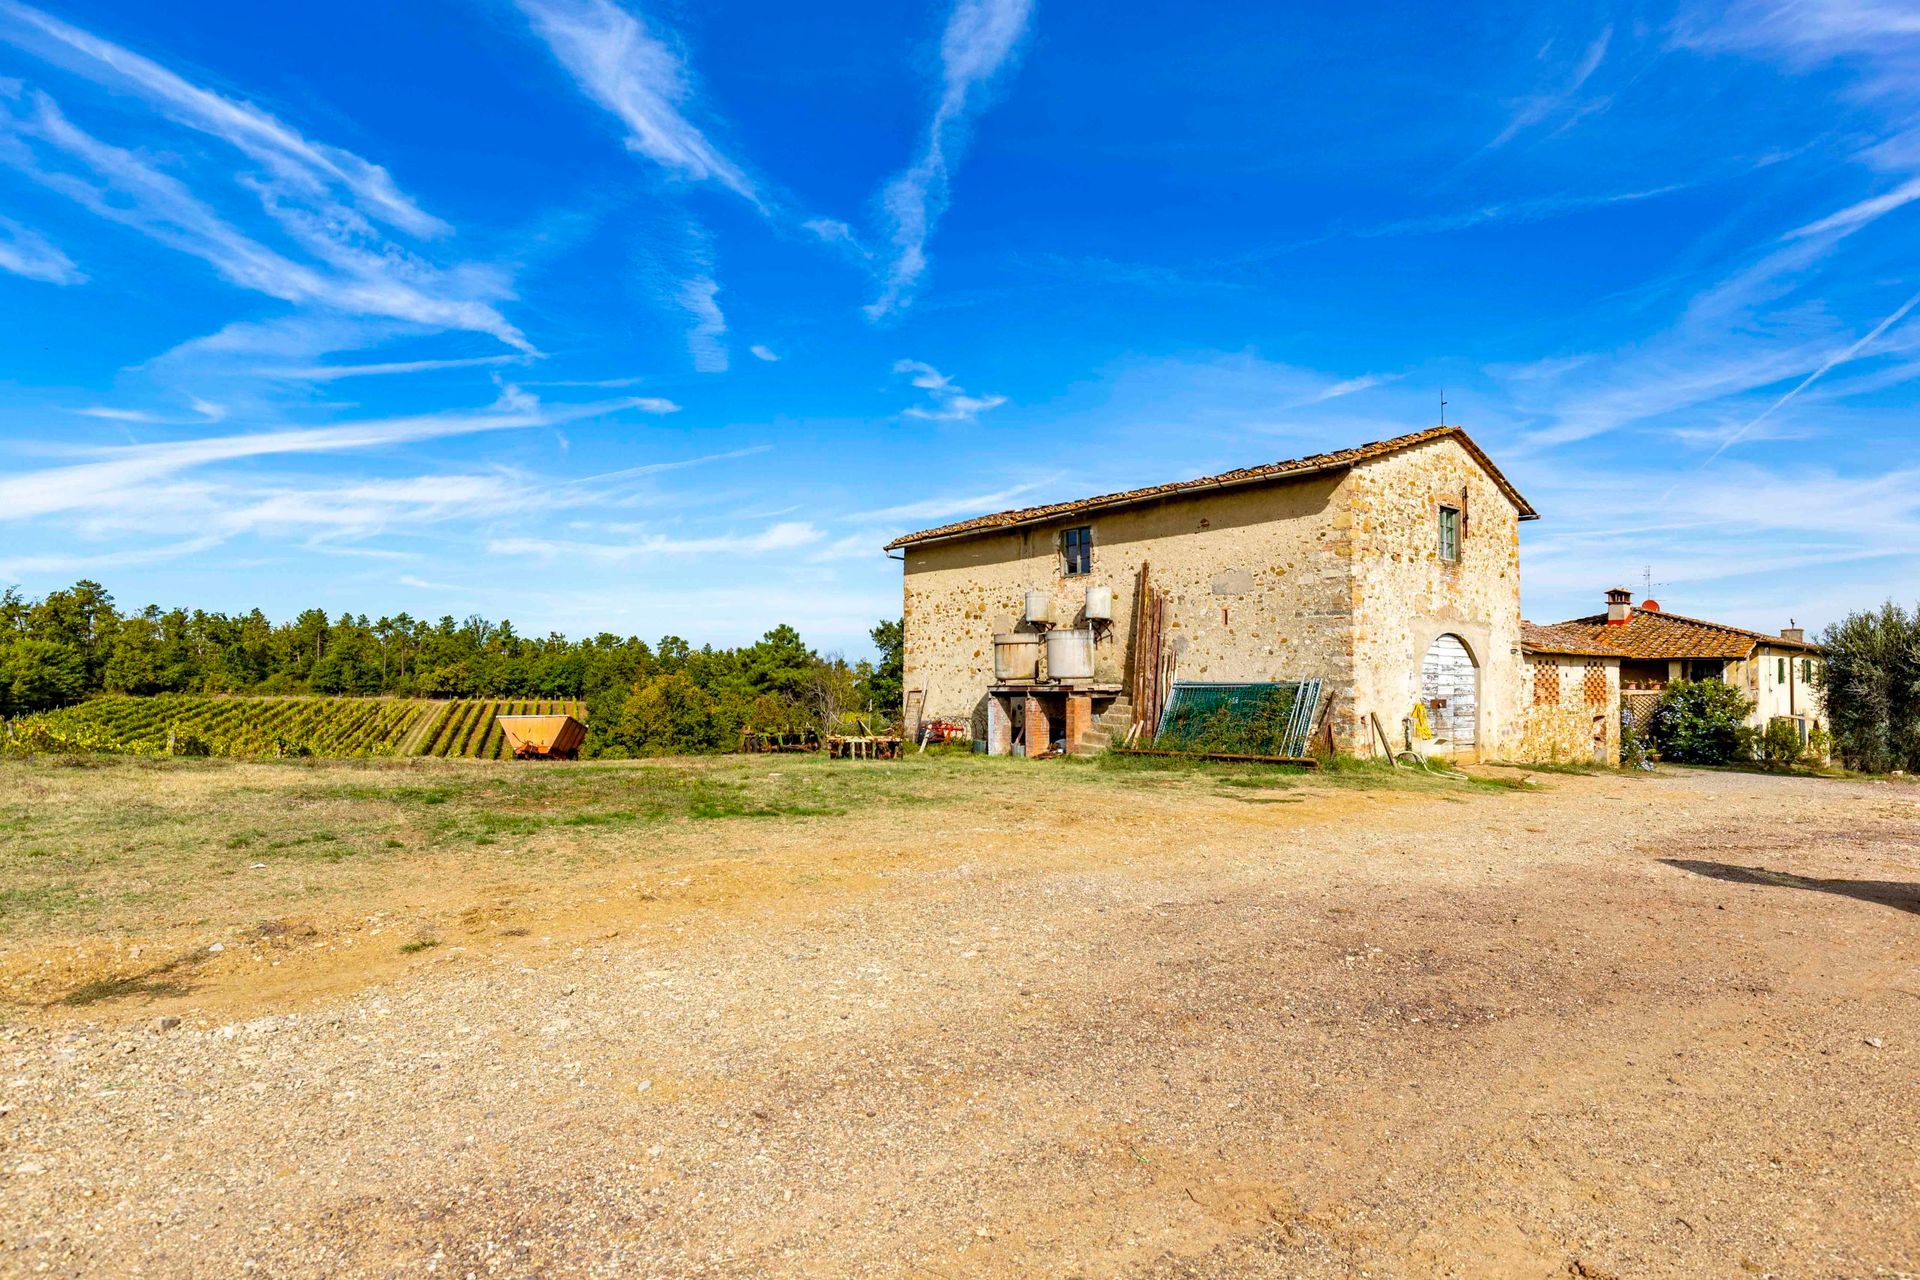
(662, 317)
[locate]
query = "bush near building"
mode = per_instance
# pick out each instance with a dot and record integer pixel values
(1702, 722)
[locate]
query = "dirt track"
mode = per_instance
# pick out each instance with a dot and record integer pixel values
(1626, 1027)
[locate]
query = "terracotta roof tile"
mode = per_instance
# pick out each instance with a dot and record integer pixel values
(1671, 635)
(1535, 638)
(1317, 464)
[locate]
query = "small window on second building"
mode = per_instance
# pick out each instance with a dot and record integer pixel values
(1077, 547)
(1449, 533)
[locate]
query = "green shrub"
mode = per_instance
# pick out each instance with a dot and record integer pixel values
(1702, 722)
(1780, 746)
(670, 715)
(1819, 746)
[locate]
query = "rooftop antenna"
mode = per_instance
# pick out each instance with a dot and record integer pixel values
(1647, 582)
(1443, 406)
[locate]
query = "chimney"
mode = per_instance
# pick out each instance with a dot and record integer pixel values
(1796, 634)
(1619, 606)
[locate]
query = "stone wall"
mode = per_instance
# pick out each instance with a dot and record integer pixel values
(1334, 577)
(1255, 580)
(1564, 696)
(1404, 596)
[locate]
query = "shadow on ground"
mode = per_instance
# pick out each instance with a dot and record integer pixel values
(1899, 895)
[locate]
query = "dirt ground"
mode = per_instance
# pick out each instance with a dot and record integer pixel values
(954, 1021)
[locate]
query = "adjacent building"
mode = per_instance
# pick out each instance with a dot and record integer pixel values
(1778, 673)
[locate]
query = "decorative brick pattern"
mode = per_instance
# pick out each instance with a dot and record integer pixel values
(1593, 686)
(1546, 684)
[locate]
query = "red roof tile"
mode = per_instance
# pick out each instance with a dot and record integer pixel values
(1295, 468)
(1535, 638)
(1671, 635)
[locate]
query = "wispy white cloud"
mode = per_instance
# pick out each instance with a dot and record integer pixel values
(1613, 521)
(25, 252)
(121, 478)
(1556, 101)
(1350, 386)
(948, 402)
(763, 352)
(619, 63)
(853, 546)
(363, 279)
(291, 157)
(1769, 322)
(699, 297)
(1851, 352)
(947, 504)
(208, 413)
(633, 381)
(338, 518)
(1857, 215)
(1535, 209)
(786, 536)
(335, 372)
(981, 37)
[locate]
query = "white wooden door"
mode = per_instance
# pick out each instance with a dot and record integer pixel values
(1449, 686)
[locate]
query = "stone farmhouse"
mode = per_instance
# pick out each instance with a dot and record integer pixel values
(1390, 572)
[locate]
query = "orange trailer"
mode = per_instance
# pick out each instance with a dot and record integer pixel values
(542, 737)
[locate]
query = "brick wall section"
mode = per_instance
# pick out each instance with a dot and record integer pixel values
(1039, 728)
(1079, 719)
(999, 728)
(1562, 729)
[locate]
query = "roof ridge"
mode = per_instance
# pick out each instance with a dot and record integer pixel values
(1618, 635)
(1284, 468)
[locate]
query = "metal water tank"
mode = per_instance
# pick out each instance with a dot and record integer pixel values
(1099, 604)
(1070, 654)
(1016, 655)
(1039, 606)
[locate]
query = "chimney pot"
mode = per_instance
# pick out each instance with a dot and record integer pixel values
(1796, 634)
(1619, 606)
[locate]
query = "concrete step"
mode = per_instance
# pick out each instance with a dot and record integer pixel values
(1095, 740)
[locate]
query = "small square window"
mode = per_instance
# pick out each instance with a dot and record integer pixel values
(1077, 547)
(1449, 533)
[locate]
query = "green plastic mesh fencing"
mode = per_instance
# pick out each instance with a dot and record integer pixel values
(1238, 719)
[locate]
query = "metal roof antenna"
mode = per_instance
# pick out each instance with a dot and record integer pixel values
(1443, 406)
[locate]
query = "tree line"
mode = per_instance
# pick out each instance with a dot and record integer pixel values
(1871, 678)
(641, 698)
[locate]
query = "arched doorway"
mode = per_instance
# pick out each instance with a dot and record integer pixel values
(1450, 688)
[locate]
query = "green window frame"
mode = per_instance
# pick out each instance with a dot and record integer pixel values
(1450, 533)
(1782, 675)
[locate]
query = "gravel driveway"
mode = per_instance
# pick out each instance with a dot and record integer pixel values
(1628, 1027)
